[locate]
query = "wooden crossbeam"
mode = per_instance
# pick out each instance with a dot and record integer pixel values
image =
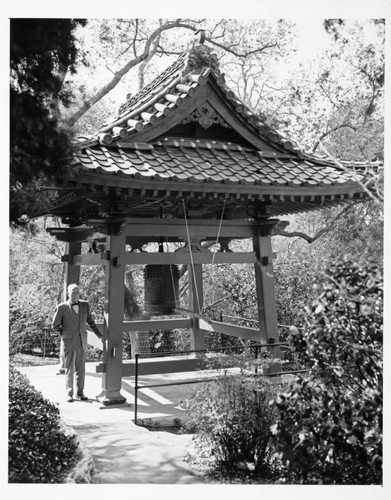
(157, 324)
(90, 259)
(197, 228)
(242, 332)
(144, 258)
(170, 365)
(184, 258)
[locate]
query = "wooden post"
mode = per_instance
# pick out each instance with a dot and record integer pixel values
(114, 318)
(264, 279)
(72, 272)
(196, 300)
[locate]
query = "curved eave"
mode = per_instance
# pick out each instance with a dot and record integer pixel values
(96, 187)
(177, 187)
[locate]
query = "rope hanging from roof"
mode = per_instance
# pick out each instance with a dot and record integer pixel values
(214, 255)
(201, 309)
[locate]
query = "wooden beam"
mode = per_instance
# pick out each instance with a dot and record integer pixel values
(90, 259)
(185, 258)
(72, 271)
(242, 332)
(198, 228)
(171, 365)
(157, 324)
(70, 235)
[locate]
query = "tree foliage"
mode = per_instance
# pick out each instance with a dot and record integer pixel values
(34, 288)
(356, 232)
(42, 51)
(337, 100)
(329, 428)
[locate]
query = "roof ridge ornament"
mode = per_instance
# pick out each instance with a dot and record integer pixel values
(199, 56)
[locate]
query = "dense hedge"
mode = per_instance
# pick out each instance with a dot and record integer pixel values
(329, 428)
(39, 452)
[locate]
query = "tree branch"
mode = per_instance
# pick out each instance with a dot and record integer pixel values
(148, 49)
(374, 181)
(334, 129)
(151, 47)
(321, 232)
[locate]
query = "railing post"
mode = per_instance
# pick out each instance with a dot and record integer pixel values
(136, 387)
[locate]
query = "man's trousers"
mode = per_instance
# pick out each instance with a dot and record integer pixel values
(75, 371)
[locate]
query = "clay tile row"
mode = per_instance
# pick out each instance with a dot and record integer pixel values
(198, 165)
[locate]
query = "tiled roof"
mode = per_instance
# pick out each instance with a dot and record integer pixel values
(209, 162)
(289, 179)
(171, 90)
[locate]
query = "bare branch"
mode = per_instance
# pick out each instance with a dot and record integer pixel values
(242, 55)
(331, 131)
(326, 93)
(149, 47)
(374, 180)
(111, 71)
(321, 232)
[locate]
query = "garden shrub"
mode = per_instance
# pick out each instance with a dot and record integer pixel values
(231, 419)
(329, 428)
(39, 452)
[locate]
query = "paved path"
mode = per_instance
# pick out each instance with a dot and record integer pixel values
(122, 451)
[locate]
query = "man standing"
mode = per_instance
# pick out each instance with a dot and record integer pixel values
(70, 320)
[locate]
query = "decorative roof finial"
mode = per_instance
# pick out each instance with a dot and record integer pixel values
(200, 36)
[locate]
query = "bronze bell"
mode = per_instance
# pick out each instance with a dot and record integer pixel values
(161, 289)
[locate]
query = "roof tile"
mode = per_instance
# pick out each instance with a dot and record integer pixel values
(171, 160)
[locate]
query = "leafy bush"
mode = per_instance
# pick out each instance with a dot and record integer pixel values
(293, 289)
(39, 452)
(329, 428)
(231, 419)
(35, 280)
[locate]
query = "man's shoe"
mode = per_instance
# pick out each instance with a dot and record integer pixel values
(60, 372)
(69, 399)
(82, 397)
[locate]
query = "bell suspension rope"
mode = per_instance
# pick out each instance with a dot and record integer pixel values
(214, 256)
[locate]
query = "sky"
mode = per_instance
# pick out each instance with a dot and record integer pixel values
(312, 38)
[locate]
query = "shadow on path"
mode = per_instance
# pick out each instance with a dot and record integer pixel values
(123, 452)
